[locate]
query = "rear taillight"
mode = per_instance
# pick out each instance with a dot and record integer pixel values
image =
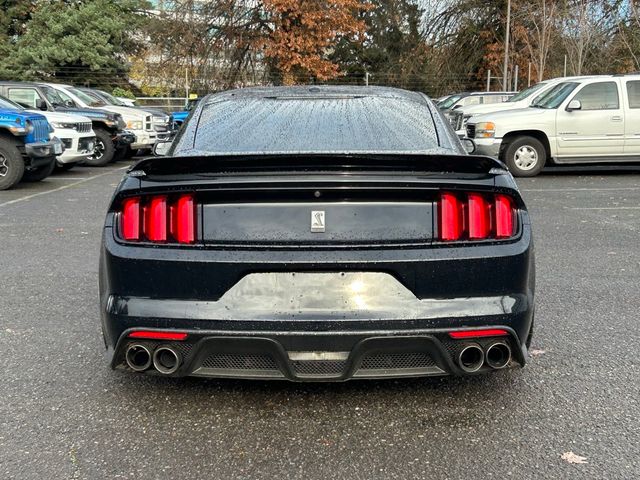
(475, 216)
(159, 219)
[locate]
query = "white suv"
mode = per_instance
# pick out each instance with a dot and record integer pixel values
(522, 99)
(585, 120)
(76, 135)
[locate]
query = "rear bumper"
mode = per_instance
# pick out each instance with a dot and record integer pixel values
(302, 355)
(270, 303)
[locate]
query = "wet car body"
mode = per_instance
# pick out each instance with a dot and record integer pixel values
(306, 234)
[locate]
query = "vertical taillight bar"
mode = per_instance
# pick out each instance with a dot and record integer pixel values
(504, 213)
(450, 217)
(183, 219)
(130, 227)
(155, 225)
(479, 217)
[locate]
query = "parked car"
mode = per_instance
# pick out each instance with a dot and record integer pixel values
(466, 99)
(587, 120)
(76, 135)
(141, 123)
(108, 127)
(26, 150)
(180, 117)
(127, 102)
(317, 233)
(522, 99)
(163, 123)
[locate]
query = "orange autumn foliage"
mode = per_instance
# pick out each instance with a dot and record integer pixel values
(303, 32)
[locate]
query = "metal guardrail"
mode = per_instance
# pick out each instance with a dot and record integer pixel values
(170, 104)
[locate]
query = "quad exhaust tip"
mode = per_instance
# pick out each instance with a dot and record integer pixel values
(166, 360)
(138, 357)
(498, 355)
(471, 358)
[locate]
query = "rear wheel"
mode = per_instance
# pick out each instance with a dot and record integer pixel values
(39, 173)
(104, 150)
(525, 156)
(11, 164)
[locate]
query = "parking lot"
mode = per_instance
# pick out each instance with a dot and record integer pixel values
(74, 418)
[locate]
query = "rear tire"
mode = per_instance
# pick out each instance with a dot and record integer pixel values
(104, 149)
(11, 164)
(525, 156)
(40, 173)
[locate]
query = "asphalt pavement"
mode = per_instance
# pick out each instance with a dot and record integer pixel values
(65, 415)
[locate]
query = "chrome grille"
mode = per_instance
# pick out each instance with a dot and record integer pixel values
(456, 121)
(471, 130)
(84, 127)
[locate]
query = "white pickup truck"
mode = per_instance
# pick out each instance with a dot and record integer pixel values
(522, 99)
(583, 120)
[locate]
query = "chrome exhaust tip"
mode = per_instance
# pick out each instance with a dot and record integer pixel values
(498, 355)
(166, 360)
(471, 358)
(138, 357)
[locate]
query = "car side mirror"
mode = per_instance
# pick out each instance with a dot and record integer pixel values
(41, 104)
(574, 105)
(469, 145)
(160, 149)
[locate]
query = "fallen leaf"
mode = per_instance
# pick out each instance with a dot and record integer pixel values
(571, 457)
(537, 352)
(59, 230)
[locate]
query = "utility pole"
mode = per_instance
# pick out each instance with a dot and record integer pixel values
(366, 79)
(529, 76)
(506, 47)
(565, 66)
(515, 81)
(488, 80)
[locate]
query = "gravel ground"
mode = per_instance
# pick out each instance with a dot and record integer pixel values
(65, 415)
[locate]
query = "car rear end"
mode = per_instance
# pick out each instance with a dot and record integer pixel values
(404, 275)
(317, 267)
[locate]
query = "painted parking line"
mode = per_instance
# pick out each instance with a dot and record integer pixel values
(64, 187)
(604, 208)
(608, 189)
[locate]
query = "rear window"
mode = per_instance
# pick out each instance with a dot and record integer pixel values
(339, 124)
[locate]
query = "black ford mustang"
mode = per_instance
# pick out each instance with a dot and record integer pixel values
(317, 233)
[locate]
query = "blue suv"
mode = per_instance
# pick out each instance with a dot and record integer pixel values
(26, 152)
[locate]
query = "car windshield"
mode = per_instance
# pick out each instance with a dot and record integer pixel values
(315, 124)
(449, 101)
(527, 92)
(89, 99)
(110, 98)
(9, 105)
(53, 96)
(554, 97)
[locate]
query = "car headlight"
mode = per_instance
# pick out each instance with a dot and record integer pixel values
(134, 124)
(70, 126)
(485, 130)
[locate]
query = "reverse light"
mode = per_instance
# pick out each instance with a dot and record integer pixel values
(159, 219)
(158, 335)
(489, 332)
(475, 216)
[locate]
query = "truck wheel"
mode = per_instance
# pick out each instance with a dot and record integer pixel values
(40, 173)
(104, 150)
(525, 156)
(11, 164)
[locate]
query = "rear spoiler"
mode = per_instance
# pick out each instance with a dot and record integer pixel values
(434, 163)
